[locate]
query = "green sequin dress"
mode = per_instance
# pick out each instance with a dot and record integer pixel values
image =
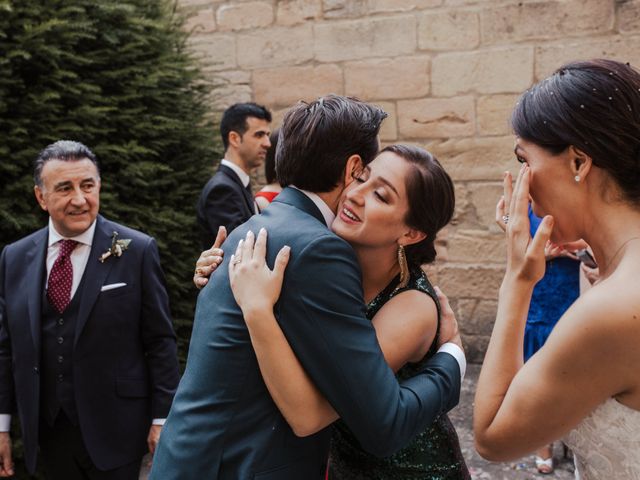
(432, 455)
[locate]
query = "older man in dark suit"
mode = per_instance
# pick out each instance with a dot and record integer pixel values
(87, 349)
(226, 200)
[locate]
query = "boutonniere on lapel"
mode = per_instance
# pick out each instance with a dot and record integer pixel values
(117, 247)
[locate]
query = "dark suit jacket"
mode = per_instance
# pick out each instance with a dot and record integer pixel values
(125, 366)
(223, 423)
(223, 201)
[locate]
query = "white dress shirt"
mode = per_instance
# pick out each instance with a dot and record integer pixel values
(449, 347)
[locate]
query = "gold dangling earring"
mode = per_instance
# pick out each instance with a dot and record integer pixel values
(404, 268)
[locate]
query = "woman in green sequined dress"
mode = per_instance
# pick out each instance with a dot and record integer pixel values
(390, 215)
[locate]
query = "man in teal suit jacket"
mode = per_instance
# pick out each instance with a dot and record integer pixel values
(223, 423)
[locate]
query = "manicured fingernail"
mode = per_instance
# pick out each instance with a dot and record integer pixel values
(262, 230)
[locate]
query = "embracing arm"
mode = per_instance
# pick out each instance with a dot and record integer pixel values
(341, 355)
(306, 410)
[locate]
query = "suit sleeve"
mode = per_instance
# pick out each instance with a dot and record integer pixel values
(7, 395)
(224, 206)
(323, 317)
(158, 337)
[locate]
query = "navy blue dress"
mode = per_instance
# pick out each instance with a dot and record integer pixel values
(552, 296)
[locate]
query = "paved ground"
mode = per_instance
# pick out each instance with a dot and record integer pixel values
(523, 469)
(461, 416)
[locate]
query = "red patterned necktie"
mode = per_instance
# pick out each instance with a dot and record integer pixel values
(61, 277)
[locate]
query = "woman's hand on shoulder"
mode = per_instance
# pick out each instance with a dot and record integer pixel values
(255, 287)
(209, 260)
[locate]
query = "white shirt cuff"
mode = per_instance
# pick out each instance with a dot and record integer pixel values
(5, 422)
(158, 421)
(453, 349)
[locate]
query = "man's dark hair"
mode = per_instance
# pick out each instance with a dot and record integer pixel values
(594, 106)
(65, 150)
(234, 119)
(270, 159)
(317, 138)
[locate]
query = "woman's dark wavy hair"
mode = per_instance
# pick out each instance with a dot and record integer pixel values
(431, 199)
(594, 106)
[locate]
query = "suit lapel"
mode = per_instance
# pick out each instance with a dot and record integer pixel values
(35, 261)
(236, 179)
(95, 273)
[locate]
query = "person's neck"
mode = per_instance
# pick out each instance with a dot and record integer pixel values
(234, 158)
(611, 233)
(332, 198)
(379, 266)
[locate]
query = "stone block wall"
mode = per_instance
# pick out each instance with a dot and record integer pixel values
(448, 73)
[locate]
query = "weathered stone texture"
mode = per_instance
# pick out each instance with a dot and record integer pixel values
(284, 86)
(629, 16)
(475, 346)
(476, 246)
(215, 52)
(449, 30)
(486, 71)
(389, 129)
(553, 19)
(230, 87)
(475, 158)
(484, 197)
(475, 316)
(292, 12)
(240, 16)
(276, 46)
(493, 113)
(374, 37)
(387, 6)
(344, 8)
(551, 57)
(464, 281)
(201, 21)
(404, 77)
(436, 117)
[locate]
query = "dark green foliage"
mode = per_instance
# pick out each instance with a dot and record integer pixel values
(115, 76)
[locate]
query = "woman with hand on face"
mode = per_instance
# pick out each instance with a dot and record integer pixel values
(578, 137)
(551, 297)
(390, 215)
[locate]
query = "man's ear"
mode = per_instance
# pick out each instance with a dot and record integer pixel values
(40, 197)
(353, 168)
(235, 138)
(411, 236)
(580, 163)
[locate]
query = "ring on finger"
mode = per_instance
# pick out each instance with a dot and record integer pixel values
(199, 271)
(505, 219)
(237, 260)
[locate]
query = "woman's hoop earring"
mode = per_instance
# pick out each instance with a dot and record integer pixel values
(404, 268)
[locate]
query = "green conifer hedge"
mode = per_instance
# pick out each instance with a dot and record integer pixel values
(114, 75)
